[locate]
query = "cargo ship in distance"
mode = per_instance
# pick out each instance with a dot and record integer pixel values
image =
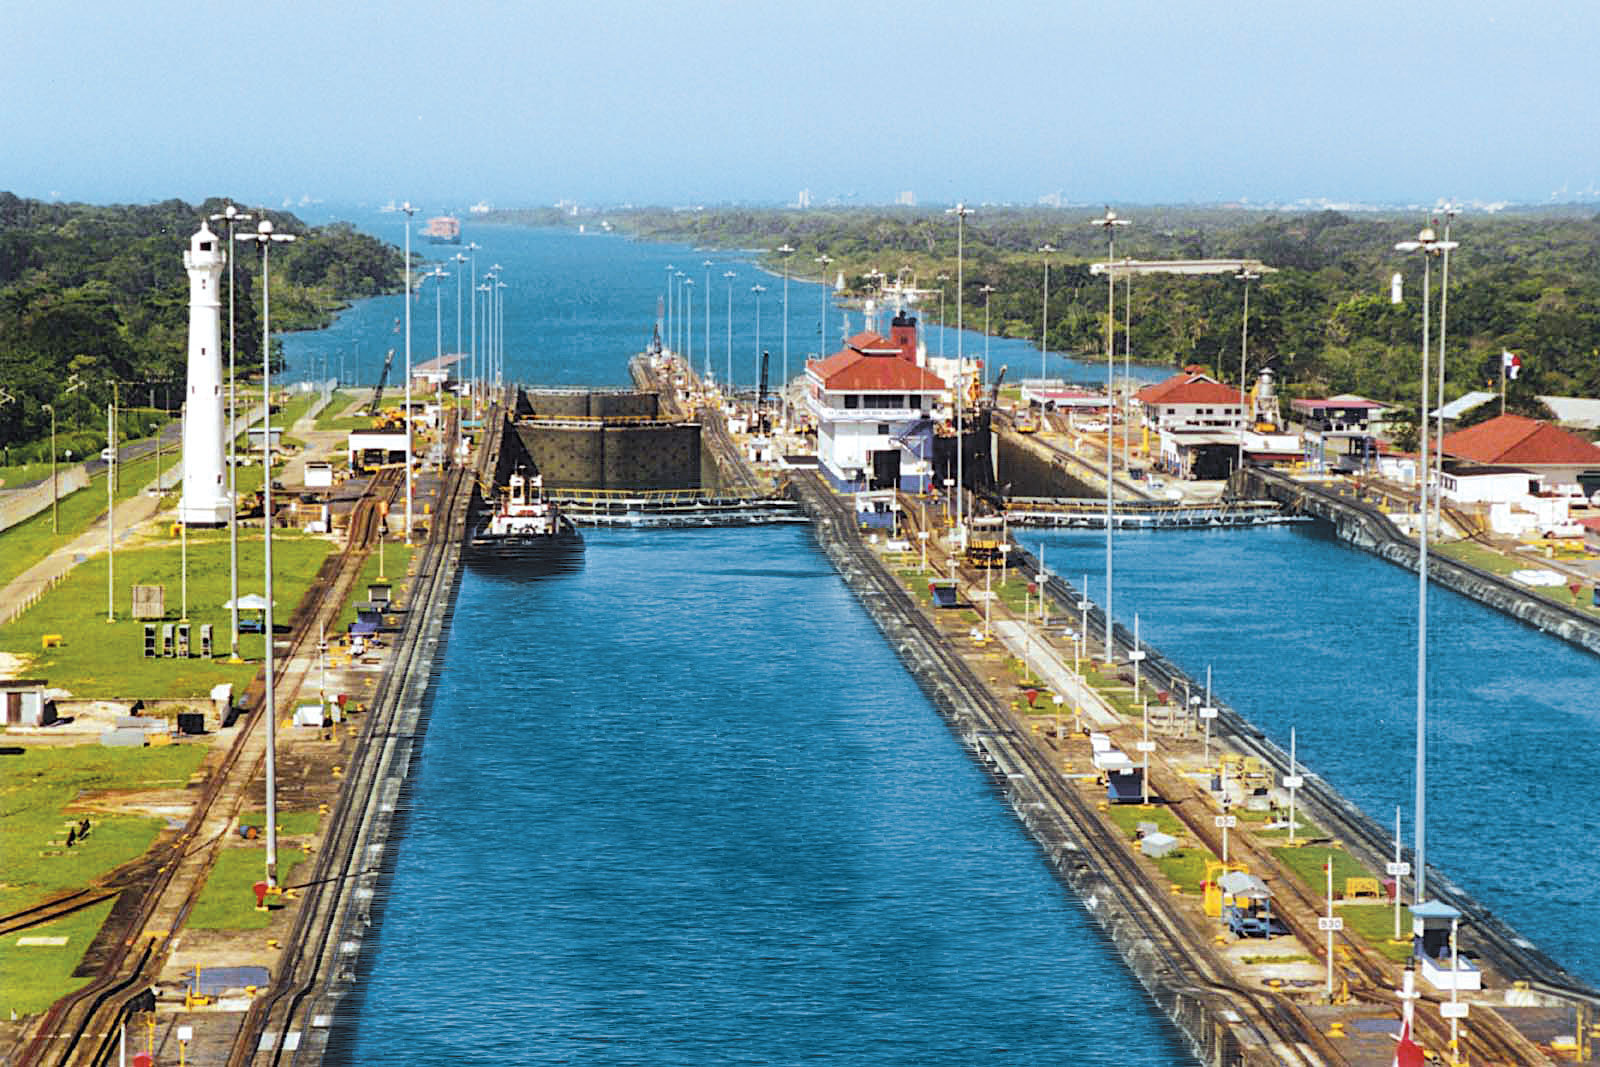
(443, 230)
(526, 534)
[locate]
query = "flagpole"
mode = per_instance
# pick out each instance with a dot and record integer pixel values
(1502, 381)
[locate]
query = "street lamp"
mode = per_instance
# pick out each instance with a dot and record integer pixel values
(822, 330)
(1449, 211)
(785, 250)
(677, 295)
(265, 237)
(1247, 276)
(1044, 320)
(1429, 245)
(672, 297)
(960, 211)
(707, 266)
(1109, 222)
(688, 330)
(232, 216)
(986, 289)
(472, 313)
(941, 279)
(488, 326)
(500, 332)
(758, 289)
(410, 209)
(438, 274)
(730, 275)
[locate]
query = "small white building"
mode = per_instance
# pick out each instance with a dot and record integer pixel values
(23, 703)
(1473, 484)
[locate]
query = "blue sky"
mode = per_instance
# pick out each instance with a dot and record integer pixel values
(611, 101)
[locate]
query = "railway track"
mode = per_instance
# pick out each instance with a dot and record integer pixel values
(1490, 1037)
(1178, 965)
(323, 949)
(83, 1026)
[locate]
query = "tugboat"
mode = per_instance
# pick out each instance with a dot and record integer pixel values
(527, 533)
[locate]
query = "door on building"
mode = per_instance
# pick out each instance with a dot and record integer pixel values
(885, 469)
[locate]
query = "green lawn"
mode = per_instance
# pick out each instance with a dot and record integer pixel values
(1497, 563)
(1129, 816)
(1375, 923)
(20, 474)
(101, 659)
(396, 558)
(28, 542)
(34, 977)
(1308, 863)
(37, 786)
(228, 901)
(290, 823)
(332, 417)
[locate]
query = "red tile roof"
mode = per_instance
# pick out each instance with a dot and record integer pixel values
(856, 372)
(1519, 441)
(1189, 388)
(872, 342)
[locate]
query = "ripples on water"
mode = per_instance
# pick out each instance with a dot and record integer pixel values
(684, 806)
(1306, 632)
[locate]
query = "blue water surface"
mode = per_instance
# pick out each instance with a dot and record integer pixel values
(686, 807)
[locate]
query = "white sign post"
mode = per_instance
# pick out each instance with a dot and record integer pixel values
(1332, 924)
(1226, 823)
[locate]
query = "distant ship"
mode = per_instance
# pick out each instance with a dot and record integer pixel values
(443, 230)
(480, 208)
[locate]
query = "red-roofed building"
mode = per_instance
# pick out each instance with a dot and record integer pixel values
(1191, 400)
(1558, 456)
(873, 406)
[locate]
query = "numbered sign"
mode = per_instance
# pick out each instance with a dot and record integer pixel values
(1208, 713)
(1332, 923)
(1293, 781)
(1453, 1009)
(1136, 655)
(1144, 746)
(1226, 822)
(1397, 870)
(1083, 605)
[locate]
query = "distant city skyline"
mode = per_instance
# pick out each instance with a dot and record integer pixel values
(610, 102)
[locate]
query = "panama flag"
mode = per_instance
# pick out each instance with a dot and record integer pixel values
(1511, 362)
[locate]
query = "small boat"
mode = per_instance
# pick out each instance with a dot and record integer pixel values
(527, 533)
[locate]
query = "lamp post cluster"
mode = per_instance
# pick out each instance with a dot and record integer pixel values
(1109, 222)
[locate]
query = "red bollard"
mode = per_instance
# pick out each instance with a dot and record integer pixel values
(261, 895)
(1032, 695)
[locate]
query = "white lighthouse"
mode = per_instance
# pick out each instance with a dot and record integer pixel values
(205, 493)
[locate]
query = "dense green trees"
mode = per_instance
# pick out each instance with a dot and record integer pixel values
(1528, 281)
(100, 293)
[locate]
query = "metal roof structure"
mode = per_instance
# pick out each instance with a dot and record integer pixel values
(1124, 267)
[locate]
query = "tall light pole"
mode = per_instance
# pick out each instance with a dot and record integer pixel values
(488, 325)
(460, 261)
(730, 275)
(672, 298)
(438, 275)
(1109, 222)
(688, 330)
(232, 216)
(1449, 211)
(410, 209)
(822, 330)
(1044, 319)
(986, 289)
(55, 491)
(785, 250)
(707, 266)
(1247, 276)
(500, 333)
(941, 279)
(1127, 354)
(758, 289)
(472, 251)
(960, 211)
(265, 237)
(1429, 246)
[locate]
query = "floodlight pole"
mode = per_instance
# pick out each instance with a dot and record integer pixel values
(822, 330)
(730, 275)
(409, 209)
(232, 216)
(1247, 276)
(960, 211)
(785, 250)
(264, 236)
(1109, 222)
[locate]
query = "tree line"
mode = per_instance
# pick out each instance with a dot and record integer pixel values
(94, 302)
(1527, 281)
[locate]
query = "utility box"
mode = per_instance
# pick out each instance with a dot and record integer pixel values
(149, 640)
(183, 640)
(166, 639)
(207, 646)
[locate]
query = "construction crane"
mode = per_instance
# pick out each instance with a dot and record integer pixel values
(376, 407)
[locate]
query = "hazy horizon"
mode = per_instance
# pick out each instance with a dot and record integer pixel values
(614, 102)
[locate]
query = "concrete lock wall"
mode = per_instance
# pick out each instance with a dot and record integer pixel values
(581, 403)
(615, 457)
(1029, 473)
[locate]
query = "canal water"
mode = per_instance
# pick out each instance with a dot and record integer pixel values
(1304, 632)
(684, 806)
